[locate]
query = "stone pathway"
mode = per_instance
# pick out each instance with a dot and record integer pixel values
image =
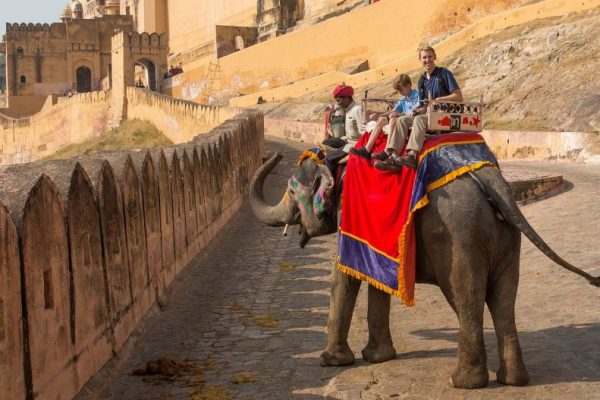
(250, 314)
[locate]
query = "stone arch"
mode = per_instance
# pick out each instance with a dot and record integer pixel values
(151, 197)
(215, 172)
(135, 231)
(83, 79)
(200, 192)
(208, 185)
(90, 304)
(151, 73)
(12, 380)
(45, 255)
(190, 204)
(116, 263)
(166, 219)
(179, 220)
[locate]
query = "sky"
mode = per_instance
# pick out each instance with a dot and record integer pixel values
(30, 11)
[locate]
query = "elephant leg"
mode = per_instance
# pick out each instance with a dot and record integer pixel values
(344, 290)
(501, 302)
(380, 347)
(471, 371)
(465, 289)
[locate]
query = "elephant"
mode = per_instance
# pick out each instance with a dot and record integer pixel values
(468, 243)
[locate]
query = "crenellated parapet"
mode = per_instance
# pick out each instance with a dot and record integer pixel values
(23, 30)
(144, 41)
(23, 27)
(117, 228)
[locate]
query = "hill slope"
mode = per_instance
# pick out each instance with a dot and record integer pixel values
(538, 76)
(131, 134)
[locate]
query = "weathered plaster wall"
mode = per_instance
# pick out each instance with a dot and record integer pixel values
(96, 241)
(192, 22)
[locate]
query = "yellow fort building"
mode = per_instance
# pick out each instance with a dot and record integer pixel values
(74, 56)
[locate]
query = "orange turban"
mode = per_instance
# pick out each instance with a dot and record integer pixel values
(343, 91)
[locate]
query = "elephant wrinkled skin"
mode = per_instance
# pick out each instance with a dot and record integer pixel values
(466, 246)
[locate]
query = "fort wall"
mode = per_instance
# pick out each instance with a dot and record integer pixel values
(179, 120)
(96, 241)
(70, 120)
(75, 119)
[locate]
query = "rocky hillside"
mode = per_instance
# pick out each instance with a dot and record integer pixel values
(539, 76)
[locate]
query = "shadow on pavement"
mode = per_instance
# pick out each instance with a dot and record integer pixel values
(554, 355)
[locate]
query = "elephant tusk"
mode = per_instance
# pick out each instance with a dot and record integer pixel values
(285, 229)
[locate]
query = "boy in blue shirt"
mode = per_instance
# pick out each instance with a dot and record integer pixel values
(436, 83)
(404, 106)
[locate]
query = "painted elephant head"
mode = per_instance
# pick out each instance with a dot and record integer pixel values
(308, 201)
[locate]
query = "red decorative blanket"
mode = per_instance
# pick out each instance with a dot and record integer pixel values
(377, 238)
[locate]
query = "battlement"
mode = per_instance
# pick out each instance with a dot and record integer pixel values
(116, 229)
(20, 30)
(23, 27)
(140, 40)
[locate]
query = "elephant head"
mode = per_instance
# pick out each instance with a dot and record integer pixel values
(308, 201)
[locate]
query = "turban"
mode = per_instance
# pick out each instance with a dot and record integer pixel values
(343, 91)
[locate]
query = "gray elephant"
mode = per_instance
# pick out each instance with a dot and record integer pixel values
(476, 227)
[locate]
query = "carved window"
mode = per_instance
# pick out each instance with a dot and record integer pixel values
(23, 79)
(20, 51)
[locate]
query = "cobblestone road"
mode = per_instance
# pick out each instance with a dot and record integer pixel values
(253, 308)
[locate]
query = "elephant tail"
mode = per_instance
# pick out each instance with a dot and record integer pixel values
(499, 194)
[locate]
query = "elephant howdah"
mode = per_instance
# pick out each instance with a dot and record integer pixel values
(476, 226)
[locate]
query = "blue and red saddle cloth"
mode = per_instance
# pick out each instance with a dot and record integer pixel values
(377, 236)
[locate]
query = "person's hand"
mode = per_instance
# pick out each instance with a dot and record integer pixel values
(394, 114)
(373, 116)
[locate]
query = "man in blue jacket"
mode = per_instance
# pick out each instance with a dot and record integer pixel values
(436, 83)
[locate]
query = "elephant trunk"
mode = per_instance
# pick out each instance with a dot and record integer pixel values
(283, 213)
(500, 194)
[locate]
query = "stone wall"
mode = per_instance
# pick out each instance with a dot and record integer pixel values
(88, 245)
(506, 145)
(71, 120)
(179, 120)
(75, 119)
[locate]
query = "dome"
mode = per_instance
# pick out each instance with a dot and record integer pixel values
(66, 13)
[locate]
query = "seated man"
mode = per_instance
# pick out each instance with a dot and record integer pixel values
(437, 83)
(404, 106)
(354, 122)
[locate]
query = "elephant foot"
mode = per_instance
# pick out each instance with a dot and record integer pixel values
(515, 376)
(376, 354)
(470, 378)
(337, 357)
